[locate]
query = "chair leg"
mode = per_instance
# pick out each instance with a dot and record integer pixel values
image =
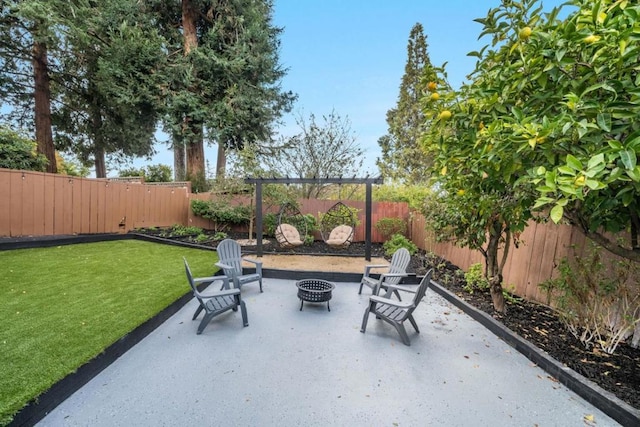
(260, 284)
(205, 321)
(403, 333)
(198, 310)
(243, 310)
(365, 318)
(360, 290)
(413, 322)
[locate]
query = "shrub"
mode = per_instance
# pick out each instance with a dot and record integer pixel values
(390, 226)
(396, 242)
(269, 224)
(597, 299)
(220, 213)
(475, 278)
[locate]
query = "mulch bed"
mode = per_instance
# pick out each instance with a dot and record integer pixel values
(618, 373)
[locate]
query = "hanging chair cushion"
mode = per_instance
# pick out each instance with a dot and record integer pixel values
(341, 236)
(288, 236)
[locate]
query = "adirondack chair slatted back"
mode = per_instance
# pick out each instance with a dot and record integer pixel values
(399, 263)
(229, 253)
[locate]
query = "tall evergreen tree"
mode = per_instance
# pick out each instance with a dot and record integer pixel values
(225, 86)
(112, 84)
(91, 76)
(27, 30)
(402, 159)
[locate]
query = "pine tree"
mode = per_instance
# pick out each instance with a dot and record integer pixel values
(402, 159)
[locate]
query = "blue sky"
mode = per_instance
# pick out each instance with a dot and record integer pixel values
(349, 56)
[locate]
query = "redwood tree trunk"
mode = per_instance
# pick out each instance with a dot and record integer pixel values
(221, 163)
(42, 108)
(179, 166)
(101, 165)
(494, 273)
(193, 139)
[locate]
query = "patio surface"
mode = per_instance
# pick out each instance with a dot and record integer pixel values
(314, 367)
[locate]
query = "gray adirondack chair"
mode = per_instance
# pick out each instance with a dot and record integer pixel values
(217, 302)
(396, 271)
(229, 253)
(396, 312)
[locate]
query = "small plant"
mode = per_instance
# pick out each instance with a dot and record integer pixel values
(475, 279)
(308, 240)
(390, 226)
(396, 242)
(200, 238)
(183, 230)
(220, 235)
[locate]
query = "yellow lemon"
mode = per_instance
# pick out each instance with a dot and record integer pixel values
(460, 192)
(431, 86)
(445, 115)
(525, 33)
(435, 96)
(591, 39)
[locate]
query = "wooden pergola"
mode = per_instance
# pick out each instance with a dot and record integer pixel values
(368, 181)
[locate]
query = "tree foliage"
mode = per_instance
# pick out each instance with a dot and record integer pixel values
(19, 152)
(226, 87)
(402, 159)
(547, 120)
(327, 149)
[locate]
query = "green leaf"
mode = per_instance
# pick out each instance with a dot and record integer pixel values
(634, 174)
(556, 213)
(573, 162)
(545, 189)
(566, 170)
(628, 158)
(604, 121)
(593, 184)
(596, 160)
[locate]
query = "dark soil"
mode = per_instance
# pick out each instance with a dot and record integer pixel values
(617, 373)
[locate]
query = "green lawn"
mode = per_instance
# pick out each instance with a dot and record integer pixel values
(62, 306)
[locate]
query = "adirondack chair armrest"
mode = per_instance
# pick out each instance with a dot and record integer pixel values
(210, 279)
(384, 275)
(223, 265)
(368, 268)
(382, 300)
(258, 264)
(213, 279)
(223, 293)
(392, 288)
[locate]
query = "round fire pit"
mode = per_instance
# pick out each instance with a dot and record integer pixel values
(314, 290)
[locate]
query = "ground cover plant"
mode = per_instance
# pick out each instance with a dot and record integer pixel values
(64, 305)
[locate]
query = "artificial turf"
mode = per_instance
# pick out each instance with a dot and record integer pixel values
(62, 306)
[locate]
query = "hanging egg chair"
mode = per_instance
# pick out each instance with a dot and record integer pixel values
(337, 226)
(292, 226)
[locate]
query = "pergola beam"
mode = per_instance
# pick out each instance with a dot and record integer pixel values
(368, 181)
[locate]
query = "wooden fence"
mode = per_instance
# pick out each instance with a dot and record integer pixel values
(315, 207)
(41, 204)
(535, 259)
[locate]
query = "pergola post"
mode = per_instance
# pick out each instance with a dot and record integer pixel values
(367, 223)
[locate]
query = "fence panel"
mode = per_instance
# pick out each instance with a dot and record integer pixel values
(39, 204)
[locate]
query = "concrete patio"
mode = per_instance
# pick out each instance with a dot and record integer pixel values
(314, 367)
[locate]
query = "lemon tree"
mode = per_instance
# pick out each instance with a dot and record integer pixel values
(547, 123)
